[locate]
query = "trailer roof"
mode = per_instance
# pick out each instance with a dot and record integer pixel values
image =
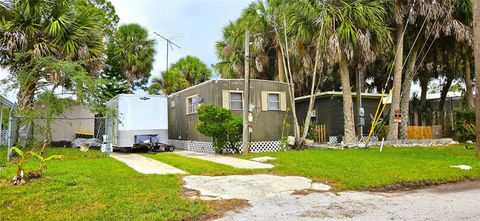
(215, 81)
(133, 95)
(5, 101)
(339, 94)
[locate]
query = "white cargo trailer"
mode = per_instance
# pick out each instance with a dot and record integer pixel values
(135, 115)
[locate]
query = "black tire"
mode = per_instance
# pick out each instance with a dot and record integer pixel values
(170, 148)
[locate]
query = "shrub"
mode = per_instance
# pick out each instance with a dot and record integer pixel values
(465, 124)
(222, 126)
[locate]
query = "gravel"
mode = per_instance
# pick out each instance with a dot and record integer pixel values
(446, 202)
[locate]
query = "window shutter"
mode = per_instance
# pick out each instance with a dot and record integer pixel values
(283, 101)
(226, 99)
(264, 101)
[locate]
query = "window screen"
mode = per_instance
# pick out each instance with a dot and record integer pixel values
(273, 101)
(236, 102)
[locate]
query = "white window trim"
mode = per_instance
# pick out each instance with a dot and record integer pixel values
(230, 99)
(279, 101)
(186, 105)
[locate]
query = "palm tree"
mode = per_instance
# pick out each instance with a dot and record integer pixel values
(476, 31)
(133, 51)
(353, 28)
(171, 82)
(32, 29)
(192, 69)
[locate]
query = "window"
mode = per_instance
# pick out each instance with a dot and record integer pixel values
(273, 101)
(236, 101)
(192, 104)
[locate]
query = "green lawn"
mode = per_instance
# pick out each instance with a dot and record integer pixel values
(89, 186)
(86, 186)
(197, 166)
(366, 168)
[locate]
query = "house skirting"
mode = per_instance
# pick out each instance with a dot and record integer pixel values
(207, 147)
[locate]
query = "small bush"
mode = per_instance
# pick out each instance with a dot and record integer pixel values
(222, 126)
(465, 124)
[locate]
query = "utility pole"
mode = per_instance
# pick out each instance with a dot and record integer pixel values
(476, 54)
(169, 45)
(246, 93)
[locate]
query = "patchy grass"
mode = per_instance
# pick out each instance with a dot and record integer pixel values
(197, 166)
(369, 168)
(89, 186)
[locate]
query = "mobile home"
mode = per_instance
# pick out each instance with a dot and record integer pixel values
(138, 115)
(269, 100)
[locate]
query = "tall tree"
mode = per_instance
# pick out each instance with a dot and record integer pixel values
(476, 31)
(171, 82)
(354, 26)
(62, 30)
(192, 69)
(133, 51)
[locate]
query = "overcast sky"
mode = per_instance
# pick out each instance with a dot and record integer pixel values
(195, 25)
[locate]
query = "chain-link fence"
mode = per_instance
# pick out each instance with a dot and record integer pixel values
(67, 132)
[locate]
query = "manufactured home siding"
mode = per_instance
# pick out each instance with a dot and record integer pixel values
(267, 125)
(329, 109)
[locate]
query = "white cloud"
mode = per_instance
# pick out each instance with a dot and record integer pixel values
(195, 25)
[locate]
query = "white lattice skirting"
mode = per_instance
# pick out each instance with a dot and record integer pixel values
(3, 137)
(207, 147)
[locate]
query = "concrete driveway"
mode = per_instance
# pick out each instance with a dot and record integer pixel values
(146, 165)
(230, 161)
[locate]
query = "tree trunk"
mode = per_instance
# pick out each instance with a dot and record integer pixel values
(423, 100)
(26, 95)
(476, 45)
(405, 99)
(311, 103)
(397, 83)
(348, 121)
(130, 86)
(441, 103)
(279, 66)
(468, 80)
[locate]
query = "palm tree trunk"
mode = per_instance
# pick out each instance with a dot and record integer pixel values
(26, 95)
(441, 103)
(397, 83)
(311, 103)
(423, 100)
(476, 45)
(468, 80)
(405, 99)
(279, 66)
(348, 121)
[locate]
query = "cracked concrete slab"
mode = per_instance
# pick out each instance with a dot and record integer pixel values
(146, 165)
(446, 202)
(230, 161)
(249, 187)
(263, 159)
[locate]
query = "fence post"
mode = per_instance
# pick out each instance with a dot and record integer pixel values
(10, 134)
(109, 122)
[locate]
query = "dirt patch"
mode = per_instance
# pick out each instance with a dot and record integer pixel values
(406, 186)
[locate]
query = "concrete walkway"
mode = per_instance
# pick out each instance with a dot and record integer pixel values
(146, 165)
(230, 161)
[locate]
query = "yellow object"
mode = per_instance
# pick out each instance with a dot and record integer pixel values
(378, 115)
(84, 133)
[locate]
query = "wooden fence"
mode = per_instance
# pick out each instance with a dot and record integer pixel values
(321, 133)
(424, 132)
